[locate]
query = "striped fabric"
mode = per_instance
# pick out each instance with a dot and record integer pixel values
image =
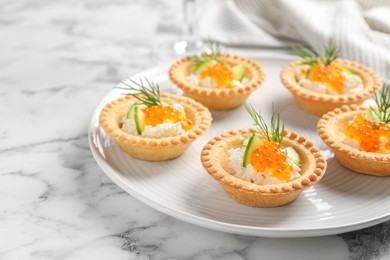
(360, 29)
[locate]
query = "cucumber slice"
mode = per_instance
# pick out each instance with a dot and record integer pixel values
(130, 112)
(139, 119)
(308, 73)
(239, 72)
(202, 66)
(135, 113)
(245, 141)
(348, 71)
(253, 143)
(293, 155)
(371, 115)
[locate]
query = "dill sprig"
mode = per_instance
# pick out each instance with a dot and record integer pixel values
(315, 57)
(214, 53)
(382, 100)
(308, 57)
(276, 133)
(148, 95)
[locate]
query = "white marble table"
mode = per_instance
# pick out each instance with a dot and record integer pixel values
(57, 60)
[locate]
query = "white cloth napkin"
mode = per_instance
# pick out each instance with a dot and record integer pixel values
(360, 29)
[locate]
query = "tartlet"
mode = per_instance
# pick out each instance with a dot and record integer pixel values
(154, 149)
(214, 159)
(218, 98)
(320, 103)
(217, 162)
(331, 128)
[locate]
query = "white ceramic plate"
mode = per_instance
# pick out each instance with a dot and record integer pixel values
(342, 201)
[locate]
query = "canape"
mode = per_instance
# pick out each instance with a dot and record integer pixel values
(360, 136)
(263, 167)
(152, 126)
(323, 82)
(218, 81)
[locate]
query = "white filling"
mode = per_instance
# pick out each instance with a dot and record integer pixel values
(162, 130)
(353, 84)
(159, 131)
(351, 142)
(128, 125)
(194, 79)
(210, 83)
(207, 83)
(236, 157)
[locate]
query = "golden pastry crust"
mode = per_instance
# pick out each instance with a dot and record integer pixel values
(223, 98)
(154, 149)
(318, 103)
(331, 128)
(215, 160)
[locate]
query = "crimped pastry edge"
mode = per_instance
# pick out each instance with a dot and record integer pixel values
(326, 124)
(306, 180)
(258, 77)
(287, 77)
(201, 124)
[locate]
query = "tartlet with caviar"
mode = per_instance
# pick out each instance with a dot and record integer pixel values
(263, 167)
(152, 126)
(360, 136)
(218, 81)
(323, 82)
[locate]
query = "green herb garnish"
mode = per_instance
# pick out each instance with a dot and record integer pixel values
(382, 100)
(214, 53)
(276, 133)
(313, 58)
(148, 95)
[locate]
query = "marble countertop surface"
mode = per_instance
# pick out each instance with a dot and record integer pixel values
(58, 59)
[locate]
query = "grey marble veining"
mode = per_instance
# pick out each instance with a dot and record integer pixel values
(57, 60)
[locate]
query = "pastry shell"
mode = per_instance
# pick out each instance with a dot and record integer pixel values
(319, 103)
(215, 160)
(222, 98)
(331, 128)
(154, 149)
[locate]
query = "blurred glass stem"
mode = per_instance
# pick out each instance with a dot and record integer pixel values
(190, 42)
(189, 19)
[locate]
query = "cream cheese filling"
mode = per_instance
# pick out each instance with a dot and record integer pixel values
(353, 83)
(166, 129)
(210, 83)
(236, 157)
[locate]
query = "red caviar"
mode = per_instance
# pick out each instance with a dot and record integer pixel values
(270, 156)
(368, 133)
(220, 73)
(156, 115)
(331, 75)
